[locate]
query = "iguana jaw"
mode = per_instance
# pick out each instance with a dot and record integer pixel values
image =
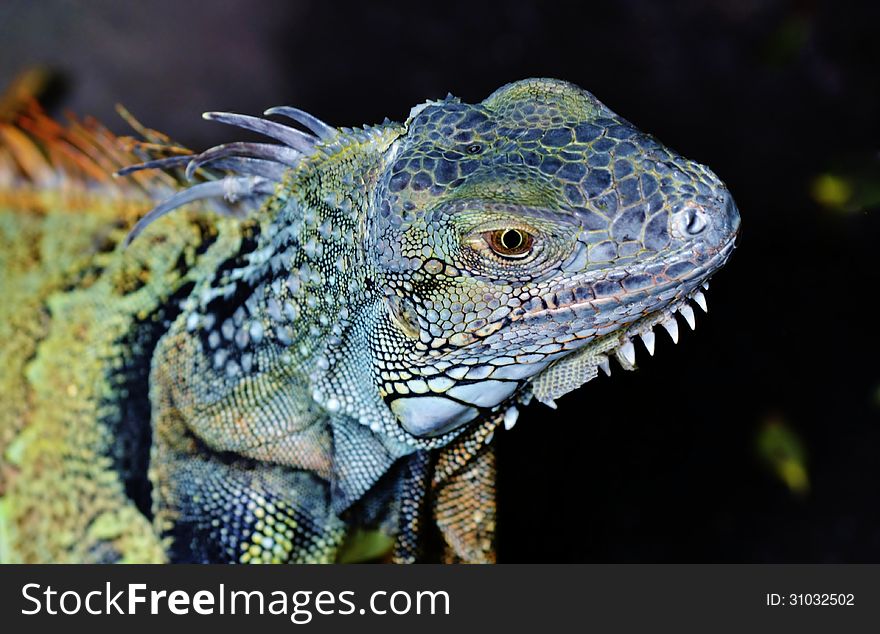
(570, 371)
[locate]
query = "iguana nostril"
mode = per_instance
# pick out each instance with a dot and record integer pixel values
(696, 221)
(690, 221)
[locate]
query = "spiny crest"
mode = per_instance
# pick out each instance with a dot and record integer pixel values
(253, 169)
(37, 151)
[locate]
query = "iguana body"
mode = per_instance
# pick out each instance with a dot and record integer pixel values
(320, 375)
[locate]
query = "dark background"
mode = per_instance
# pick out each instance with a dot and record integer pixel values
(756, 438)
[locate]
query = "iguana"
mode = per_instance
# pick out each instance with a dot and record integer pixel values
(309, 363)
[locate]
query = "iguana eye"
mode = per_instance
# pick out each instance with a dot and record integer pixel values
(510, 243)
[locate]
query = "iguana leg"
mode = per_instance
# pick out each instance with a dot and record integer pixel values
(214, 507)
(414, 512)
(219, 497)
(464, 509)
(464, 496)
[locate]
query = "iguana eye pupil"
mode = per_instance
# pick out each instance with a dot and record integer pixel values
(511, 243)
(511, 239)
(474, 148)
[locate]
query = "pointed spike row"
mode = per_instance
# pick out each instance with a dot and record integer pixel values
(706, 286)
(321, 129)
(700, 299)
(671, 327)
(232, 188)
(605, 364)
(627, 352)
(266, 151)
(292, 137)
(688, 313)
(648, 339)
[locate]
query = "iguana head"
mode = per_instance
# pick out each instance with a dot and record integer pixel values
(520, 239)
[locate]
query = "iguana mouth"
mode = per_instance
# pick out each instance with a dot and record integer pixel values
(577, 367)
(628, 292)
(644, 328)
(595, 295)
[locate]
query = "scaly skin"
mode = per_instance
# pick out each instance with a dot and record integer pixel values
(320, 378)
